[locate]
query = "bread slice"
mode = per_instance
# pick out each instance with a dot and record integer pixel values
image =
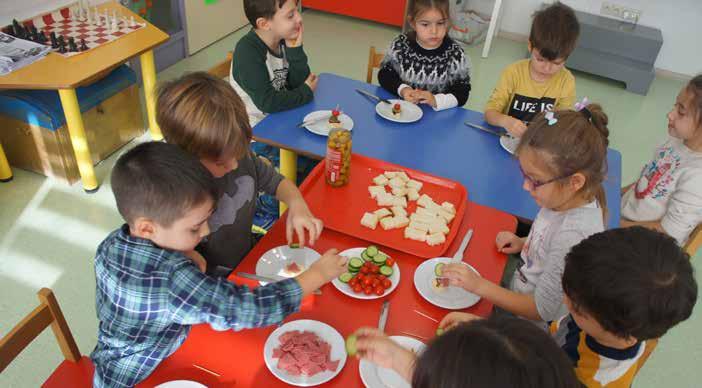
(369, 220)
(399, 191)
(400, 222)
(403, 175)
(387, 223)
(424, 227)
(376, 190)
(438, 227)
(382, 213)
(414, 234)
(436, 239)
(399, 211)
(385, 199)
(413, 184)
(448, 206)
(381, 180)
(412, 194)
(396, 182)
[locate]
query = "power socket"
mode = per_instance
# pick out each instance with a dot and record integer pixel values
(620, 12)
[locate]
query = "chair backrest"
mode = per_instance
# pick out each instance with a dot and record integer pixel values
(650, 346)
(694, 241)
(374, 59)
(222, 69)
(48, 313)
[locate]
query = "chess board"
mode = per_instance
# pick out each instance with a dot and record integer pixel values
(62, 22)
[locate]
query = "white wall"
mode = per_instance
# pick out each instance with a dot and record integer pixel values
(680, 21)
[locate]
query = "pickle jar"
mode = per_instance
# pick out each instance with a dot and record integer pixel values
(338, 161)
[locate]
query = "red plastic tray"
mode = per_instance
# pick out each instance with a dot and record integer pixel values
(341, 208)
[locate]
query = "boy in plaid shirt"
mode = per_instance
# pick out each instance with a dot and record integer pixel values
(151, 285)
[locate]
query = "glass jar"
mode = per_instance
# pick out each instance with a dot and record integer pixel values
(338, 161)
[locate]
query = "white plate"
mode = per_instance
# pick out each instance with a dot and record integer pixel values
(320, 119)
(409, 112)
(324, 331)
(181, 384)
(346, 289)
(273, 262)
(374, 376)
(509, 143)
(452, 298)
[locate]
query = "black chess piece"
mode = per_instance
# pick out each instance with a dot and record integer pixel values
(33, 30)
(16, 29)
(61, 40)
(42, 37)
(34, 36)
(72, 45)
(54, 41)
(62, 47)
(83, 46)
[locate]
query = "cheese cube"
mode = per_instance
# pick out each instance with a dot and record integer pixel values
(369, 220)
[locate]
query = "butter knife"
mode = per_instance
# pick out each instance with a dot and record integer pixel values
(384, 315)
(464, 244)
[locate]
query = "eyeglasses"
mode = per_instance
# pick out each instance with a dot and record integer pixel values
(535, 184)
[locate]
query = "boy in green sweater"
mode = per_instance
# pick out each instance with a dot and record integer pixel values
(270, 70)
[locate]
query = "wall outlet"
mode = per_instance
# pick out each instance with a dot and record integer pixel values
(620, 12)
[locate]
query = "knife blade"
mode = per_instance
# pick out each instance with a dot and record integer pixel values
(464, 244)
(373, 96)
(267, 279)
(384, 315)
(488, 130)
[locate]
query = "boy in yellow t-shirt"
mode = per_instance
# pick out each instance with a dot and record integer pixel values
(540, 83)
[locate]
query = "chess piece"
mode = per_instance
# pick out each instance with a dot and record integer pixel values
(16, 28)
(42, 37)
(114, 27)
(72, 45)
(83, 46)
(88, 16)
(62, 47)
(132, 23)
(54, 40)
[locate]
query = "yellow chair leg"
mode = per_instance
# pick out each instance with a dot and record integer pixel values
(148, 74)
(5, 170)
(288, 167)
(74, 121)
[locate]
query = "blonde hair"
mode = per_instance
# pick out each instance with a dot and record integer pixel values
(204, 116)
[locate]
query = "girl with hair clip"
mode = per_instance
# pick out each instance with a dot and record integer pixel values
(562, 156)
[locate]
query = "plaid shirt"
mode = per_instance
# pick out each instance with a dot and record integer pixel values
(147, 298)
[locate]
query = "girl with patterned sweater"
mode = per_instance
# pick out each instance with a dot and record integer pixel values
(425, 66)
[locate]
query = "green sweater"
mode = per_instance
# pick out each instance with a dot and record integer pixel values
(268, 82)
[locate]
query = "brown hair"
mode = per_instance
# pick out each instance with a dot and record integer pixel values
(417, 7)
(161, 182)
(254, 9)
(576, 142)
(694, 89)
(204, 116)
(554, 31)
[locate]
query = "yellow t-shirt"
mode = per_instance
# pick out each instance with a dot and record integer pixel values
(519, 96)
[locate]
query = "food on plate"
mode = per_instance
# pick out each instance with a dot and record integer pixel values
(292, 269)
(334, 121)
(370, 274)
(397, 110)
(304, 353)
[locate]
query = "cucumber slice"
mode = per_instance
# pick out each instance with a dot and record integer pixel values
(354, 270)
(351, 345)
(379, 259)
(439, 331)
(365, 256)
(439, 269)
(345, 277)
(371, 251)
(294, 245)
(355, 263)
(385, 270)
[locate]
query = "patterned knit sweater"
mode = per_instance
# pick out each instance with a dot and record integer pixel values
(443, 70)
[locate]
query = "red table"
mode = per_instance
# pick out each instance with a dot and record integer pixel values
(237, 357)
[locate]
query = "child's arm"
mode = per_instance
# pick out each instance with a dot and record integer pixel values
(567, 99)
(299, 69)
(499, 99)
(198, 298)
(300, 218)
(456, 93)
(376, 347)
(250, 72)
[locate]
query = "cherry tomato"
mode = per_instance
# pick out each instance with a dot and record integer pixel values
(367, 282)
(364, 270)
(357, 288)
(390, 262)
(376, 269)
(381, 277)
(368, 290)
(387, 283)
(375, 283)
(353, 282)
(379, 291)
(360, 277)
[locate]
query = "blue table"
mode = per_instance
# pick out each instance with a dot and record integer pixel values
(439, 144)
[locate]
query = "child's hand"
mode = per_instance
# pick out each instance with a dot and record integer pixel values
(454, 318)
(198, 259)
(300, 218)
(425, 97)
(329, 266)
(409, 94)
(508, 242)
(297, 42)
(516, 127)
(311, 81)
(374, 346)
(461, 275)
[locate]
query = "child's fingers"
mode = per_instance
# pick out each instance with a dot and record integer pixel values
(300, 230)
(289, 230)
(369, 332)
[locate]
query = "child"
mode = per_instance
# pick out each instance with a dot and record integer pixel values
(497, 352)
(269, 67)
(540, 83)
(204, 116)
(425, 65)
(623, 287)
(668, 195)
(562, 156)
(149, 288)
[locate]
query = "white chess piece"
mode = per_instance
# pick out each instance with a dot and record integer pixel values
(88, 16)
(132, 23)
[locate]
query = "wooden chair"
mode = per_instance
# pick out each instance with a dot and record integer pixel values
(694, 241)
(374, 59)
(222, 69)
(76, 370)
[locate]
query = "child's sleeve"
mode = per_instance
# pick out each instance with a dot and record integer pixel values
(567, 99)
(388, 75)
(299, 70)
(499, 99)
(458, 91)
(267, 178)
(249, 70)
(197, 298)
(684, 211)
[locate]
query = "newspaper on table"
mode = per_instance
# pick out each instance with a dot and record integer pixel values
(16, 53)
